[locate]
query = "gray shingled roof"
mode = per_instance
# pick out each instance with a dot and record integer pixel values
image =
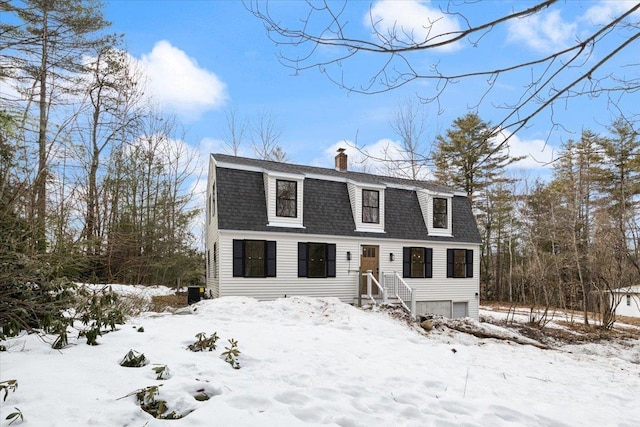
(327, 209)
(355, 176)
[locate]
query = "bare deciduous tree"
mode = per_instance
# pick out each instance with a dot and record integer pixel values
(235, 130)
(323, 36)
(113, 106)
(265, 138)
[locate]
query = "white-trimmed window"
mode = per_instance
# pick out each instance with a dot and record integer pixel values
(254, 258)
(367, 206)
(417, 262)
(316, 260)
(370, 206)
(459, 263)
(284, 193)
(440, 213)
(437, 211)
(286, 198)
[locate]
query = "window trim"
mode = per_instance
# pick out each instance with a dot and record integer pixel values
(303, 260)
(280, 199)
(375, 208)
(407, 261)
(425, 199)
(239, 258)
(439, 214)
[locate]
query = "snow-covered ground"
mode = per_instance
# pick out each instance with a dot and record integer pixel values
(307, 362)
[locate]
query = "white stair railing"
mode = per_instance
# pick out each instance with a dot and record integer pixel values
(402, 291)
(371, 280)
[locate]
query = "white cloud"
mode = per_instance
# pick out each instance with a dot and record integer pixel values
(539, 154)
(605, 11)
(412, 21)
(384, 157)
(542, 32)
(179, 83)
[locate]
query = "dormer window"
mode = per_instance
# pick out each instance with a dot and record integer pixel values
(284, 194)
(286, 199)
(437, 210)
(370, 206)
(440, 213)
(367, 205)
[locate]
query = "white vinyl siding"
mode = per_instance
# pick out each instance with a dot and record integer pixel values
(632, 296)
(439, 287)
(345, 285)
(211, 236)
(287, 283)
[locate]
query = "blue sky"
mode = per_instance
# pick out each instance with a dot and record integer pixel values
(204, 57)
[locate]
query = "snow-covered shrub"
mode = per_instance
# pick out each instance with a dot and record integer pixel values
(134, 359)
(204, 343)
(162, 372)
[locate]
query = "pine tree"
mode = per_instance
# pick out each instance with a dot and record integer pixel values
(44, 43)
(469, 157)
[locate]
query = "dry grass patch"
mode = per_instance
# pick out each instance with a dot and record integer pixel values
(634, 321)
(571, 330)
(161, 302)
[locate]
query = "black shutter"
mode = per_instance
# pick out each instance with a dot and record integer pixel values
(428, 263)
(331, 260)
(450, 262)
(469, 263)
(302, 259)
(406, 262)
(238, 258)
(270, 256)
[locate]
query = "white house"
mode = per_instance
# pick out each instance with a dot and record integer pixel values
(627, 301)
(278, 229)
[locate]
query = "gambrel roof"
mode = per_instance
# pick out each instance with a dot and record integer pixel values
(242, 202)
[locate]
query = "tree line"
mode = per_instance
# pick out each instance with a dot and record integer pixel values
(565, 242)
(93, 175)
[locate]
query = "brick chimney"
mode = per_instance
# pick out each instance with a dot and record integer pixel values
(341, 160)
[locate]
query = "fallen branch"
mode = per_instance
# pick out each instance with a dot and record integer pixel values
(469, 329)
